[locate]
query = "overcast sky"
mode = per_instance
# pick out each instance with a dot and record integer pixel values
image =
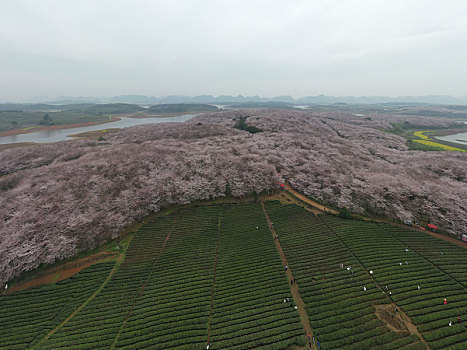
(267, 48)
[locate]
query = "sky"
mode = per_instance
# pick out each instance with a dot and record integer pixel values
(268, 48)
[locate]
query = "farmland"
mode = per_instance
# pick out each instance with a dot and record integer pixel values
(341, 300)
(212, 275)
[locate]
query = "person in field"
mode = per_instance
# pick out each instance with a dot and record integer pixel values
(445, 301)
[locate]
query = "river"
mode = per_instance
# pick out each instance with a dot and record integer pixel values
(62, 134)
(460, 138)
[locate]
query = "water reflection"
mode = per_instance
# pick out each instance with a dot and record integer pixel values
(62, 134)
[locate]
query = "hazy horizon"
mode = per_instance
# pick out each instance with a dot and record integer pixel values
(265, 48)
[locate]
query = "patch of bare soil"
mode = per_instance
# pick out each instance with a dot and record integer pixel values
(397, 321)
(394, 321)
(59, 273)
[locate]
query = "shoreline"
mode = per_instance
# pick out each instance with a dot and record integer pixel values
(460, 144)
(79, 125)
(55, 127)
(447, 132)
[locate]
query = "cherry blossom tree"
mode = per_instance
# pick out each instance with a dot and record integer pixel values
(60, 199)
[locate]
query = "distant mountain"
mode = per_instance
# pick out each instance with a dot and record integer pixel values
(181, 108)
(320, 99)
(229, 99)
(431, 99)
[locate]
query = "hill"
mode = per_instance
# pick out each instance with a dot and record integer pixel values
(61, 199)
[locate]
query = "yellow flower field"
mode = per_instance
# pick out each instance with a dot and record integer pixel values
(421, 135)
(439, 145)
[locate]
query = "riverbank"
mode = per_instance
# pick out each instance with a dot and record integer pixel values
(55, 127)
(85, 130)
(137, 115)
(430, 138)
(448, 132)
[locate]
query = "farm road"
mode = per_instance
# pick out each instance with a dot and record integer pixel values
(307, 200)
(323, 208)
(214, 280)
(293, 287)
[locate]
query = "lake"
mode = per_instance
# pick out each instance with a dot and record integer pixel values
(460, 138)
(62, 134)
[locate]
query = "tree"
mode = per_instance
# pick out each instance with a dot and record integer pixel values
(46, 120)
(344, 213)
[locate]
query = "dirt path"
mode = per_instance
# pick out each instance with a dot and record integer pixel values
(109, 277)
(59, 273)
(323, 208)
(140, 292)
(307, 200)
(447, 239)
(293, 287)
(285, 197)
(436, 235)
(213, 281)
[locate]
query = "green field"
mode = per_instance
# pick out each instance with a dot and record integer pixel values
(213, 274)
(10, 120)
(45, 115)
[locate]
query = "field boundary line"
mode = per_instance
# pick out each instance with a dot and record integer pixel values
(86, 302)
(422, 256)
(140, 292)
(293, 287)
(413, 330)
(214, 278)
